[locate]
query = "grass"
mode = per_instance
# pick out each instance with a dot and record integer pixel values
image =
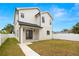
(10, 48)
(3, 32)
(56, 48)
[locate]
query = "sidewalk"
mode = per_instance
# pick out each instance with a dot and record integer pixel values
(28, 51)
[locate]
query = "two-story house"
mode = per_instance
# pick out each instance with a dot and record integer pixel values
(32, 24)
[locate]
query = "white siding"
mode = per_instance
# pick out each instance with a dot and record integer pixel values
(36, 34)
(33, 16)
(46, 26)
(38, 19)
(16, 24)
(29, 16)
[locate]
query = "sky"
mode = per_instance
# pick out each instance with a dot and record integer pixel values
(65, 15)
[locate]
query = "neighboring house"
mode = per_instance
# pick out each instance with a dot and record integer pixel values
(31, 24)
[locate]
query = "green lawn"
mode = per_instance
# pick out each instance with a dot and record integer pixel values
(10, 48)
(3, 32)
(56, 48)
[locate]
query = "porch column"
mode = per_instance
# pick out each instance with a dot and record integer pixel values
(21, 34)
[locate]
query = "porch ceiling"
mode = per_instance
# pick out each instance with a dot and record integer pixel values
(29, 24)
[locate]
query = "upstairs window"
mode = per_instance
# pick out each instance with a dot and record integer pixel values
(48, 32)
(22, 15)
(50, 23)
(43, 20)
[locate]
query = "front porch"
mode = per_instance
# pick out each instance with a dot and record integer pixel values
(28, 34)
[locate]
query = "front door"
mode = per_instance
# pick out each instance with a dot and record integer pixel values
(29, 34)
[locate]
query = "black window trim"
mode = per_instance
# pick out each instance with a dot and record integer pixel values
(22, 15)
(48, 32)
(29, 35)
(43, 20)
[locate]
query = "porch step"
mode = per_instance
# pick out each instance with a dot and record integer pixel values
(27, 43)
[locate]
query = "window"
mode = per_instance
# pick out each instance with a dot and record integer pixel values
(43, 19)
(22, 15)
(48, 32)
(50, 23)
(29, 34)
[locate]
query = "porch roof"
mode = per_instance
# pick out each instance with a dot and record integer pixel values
(29, 24)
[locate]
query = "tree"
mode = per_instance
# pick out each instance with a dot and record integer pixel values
(9, 28)
(75, 28)
(65, 30)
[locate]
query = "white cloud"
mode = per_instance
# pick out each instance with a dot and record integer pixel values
(65, 18)
(58, 12)
(63, 14)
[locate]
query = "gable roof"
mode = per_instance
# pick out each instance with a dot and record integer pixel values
(23, 8)
(29, 8)
(28, 24)
(48, 14)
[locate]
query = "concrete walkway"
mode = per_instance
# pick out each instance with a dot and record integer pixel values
(28, 51)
